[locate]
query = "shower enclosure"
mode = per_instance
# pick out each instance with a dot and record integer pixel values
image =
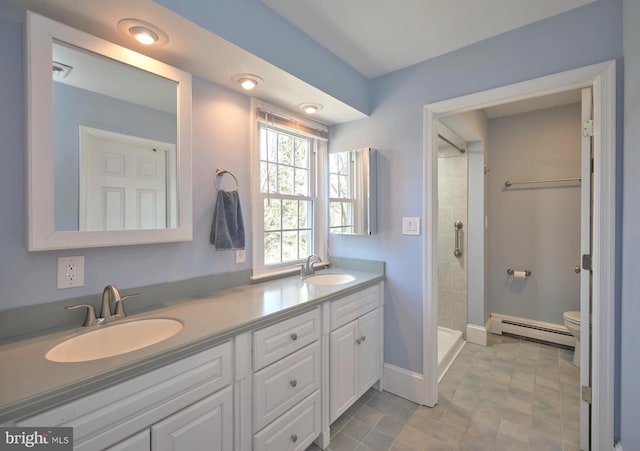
(452, 255)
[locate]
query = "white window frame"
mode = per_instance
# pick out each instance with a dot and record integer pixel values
(260, 270)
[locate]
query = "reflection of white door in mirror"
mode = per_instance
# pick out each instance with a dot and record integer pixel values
(123, 181)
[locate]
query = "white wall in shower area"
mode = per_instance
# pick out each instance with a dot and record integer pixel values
(535, 227)
(452, 270)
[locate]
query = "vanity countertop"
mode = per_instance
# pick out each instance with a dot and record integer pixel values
(30, 383)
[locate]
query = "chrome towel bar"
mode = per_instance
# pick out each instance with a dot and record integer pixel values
(509, 183)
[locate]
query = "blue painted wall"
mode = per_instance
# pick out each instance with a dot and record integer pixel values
(395, 127)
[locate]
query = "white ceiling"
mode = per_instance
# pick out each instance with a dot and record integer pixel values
(375, 37)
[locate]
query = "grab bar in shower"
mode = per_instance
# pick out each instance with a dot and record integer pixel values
(457, 227)
(509, 183)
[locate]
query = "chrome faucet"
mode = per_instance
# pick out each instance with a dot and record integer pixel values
(110, 294)
(307, 269)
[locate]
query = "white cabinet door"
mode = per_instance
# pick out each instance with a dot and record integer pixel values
(368, 350)
(206, 425)
(343, 382)
(139, 442)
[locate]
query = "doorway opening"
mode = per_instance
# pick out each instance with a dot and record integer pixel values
(601, 78)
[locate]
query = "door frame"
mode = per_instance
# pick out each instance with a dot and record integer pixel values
(602, 78)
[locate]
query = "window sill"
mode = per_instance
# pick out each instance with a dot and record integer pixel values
(284, 272)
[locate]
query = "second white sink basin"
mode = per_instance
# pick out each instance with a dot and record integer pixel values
(114, 339)
(330, 279)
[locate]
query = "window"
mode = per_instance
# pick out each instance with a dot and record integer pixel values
(286, 203)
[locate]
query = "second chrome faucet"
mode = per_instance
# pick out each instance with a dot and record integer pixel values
(307, 269)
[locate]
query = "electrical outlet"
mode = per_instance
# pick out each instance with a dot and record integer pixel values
(70, 272)
(241, 256)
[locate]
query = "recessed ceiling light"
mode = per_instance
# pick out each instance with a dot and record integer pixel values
(143, 32)
(247, 81)
(143, 35)
(310, 108)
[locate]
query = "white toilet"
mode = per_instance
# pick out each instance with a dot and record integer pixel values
(572, 321)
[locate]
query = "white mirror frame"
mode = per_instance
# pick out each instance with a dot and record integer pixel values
(41, 234)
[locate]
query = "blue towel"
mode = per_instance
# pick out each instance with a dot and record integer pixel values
(227, 227)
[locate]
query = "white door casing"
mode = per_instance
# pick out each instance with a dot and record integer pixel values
(585, 275)
(601, 78)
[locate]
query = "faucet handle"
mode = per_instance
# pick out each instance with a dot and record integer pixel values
(119, 311)
(90, 319)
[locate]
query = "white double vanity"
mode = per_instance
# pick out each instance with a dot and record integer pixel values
(265, 366)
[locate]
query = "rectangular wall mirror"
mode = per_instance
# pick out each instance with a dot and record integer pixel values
(108, 143)
(352, 192)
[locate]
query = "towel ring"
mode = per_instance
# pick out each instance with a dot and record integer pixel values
(219, 173)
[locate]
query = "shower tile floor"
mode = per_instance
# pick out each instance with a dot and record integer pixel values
(512, 395)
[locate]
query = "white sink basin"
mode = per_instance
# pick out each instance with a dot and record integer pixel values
(114, 339)
(329, 279)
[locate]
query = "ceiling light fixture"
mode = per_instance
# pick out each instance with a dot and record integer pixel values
(310, 108)
(247, 81)
(143, 32)
(143, 35)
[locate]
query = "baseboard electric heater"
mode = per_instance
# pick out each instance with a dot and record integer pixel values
(538, 330)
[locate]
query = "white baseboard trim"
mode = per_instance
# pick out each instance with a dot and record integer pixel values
(477, 334)
(404, 383)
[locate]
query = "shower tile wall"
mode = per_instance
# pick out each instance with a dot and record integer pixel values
(452, 270)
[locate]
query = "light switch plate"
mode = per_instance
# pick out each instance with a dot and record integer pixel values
(70, 272)
(411, 226)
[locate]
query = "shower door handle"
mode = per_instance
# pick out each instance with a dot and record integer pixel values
(457, 227)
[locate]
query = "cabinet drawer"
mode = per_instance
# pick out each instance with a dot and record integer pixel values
(353, 306)
(294, 430)
(113, 414)
(282, 385)
(281, 339)
(204, 426)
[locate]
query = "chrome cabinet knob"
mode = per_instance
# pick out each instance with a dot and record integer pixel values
(294, 438)
(293, 336)
(293, 383)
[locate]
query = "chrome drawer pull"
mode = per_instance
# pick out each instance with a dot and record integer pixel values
(359, 340)
(294, 438)
(293, 336)
(293, 383)
(363, 338)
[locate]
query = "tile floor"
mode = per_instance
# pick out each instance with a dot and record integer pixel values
(512, 395)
